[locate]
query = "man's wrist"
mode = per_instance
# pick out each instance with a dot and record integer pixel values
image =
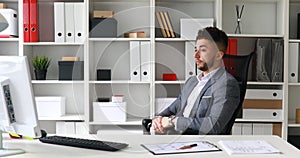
(171, 120)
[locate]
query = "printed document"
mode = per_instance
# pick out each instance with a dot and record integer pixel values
(180, 147)
(247, 147)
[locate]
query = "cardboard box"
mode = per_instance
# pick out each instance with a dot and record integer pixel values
(3, 6)
(50, 106)
(109, 112)
(135, 35)
(70, 59)
(70, 70)
(103, 14)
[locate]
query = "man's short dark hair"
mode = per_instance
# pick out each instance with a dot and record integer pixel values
(216, 35)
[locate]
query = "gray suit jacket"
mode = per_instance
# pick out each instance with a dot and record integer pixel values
(213, 108)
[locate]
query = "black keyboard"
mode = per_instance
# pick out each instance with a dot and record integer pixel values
(84, 143)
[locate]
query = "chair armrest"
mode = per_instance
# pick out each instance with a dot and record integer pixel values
(146, 125)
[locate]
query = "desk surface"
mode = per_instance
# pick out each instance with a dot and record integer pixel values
(36, 149)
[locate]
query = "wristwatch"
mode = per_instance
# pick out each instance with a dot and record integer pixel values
(170, 119)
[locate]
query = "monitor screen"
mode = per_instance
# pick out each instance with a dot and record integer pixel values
(17, 105)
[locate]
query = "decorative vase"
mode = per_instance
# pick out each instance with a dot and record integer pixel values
(40, 74)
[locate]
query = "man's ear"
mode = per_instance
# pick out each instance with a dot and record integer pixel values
(220, 55)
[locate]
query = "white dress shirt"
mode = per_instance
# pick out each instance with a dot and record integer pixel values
(202, 80)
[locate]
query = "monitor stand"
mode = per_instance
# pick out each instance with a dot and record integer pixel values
(7, 152)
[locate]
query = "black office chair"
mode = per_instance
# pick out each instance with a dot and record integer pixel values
(237, 66)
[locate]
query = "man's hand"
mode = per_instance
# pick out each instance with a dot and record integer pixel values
(157, 125)
(160, 123)
(165, 122)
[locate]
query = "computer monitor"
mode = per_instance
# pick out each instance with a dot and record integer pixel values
(17, 105)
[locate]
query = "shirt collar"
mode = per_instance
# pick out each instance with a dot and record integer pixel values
(201, 76)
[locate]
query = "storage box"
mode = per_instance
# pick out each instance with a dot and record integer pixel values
(190, 27)
(70, 70)
(103, 75)
(162, 103)
(109, 112)
(103, 14)
(103, 27)
(50, 106)
(169, 77)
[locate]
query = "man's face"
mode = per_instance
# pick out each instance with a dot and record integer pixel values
(205, 54)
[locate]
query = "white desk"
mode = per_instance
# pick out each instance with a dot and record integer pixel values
(36, 149)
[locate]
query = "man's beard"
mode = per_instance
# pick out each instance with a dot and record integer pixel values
(204, 67)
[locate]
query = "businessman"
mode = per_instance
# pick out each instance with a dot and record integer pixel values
(207, 101)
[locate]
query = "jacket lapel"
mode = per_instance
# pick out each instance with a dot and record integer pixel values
(209, 83)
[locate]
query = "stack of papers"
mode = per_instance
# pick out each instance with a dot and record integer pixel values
(180, 147)
(247, 147)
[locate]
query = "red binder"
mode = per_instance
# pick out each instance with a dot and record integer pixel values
(33, 21)
(26, 21)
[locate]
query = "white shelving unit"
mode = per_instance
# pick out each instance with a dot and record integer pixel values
(261, 19)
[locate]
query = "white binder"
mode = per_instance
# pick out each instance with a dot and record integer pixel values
(237, 129)
(135, 61)
(189, 60)
(272, 114)
(274, 94)
(145, 61)
(190, 65)
(293, 62)
(69, 19)
(59, 21)
(247, 129)
(262, 129)
(79, 22)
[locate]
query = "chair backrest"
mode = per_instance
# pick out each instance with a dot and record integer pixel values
(237, 66)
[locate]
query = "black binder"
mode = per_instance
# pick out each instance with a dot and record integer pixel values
(269, 60)
(277, 60)
(263, 62)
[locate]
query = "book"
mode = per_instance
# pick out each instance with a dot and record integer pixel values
(180, 147)
(170, 28)
(163, 19)
(160, 24)
(247, 147)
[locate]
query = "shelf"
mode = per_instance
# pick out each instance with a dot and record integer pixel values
(294, 40)
(170, 82)
(265, 83)
(170, 39)
(255, 35)
(51, 44)
(129, 122)
(294, 84)
(292, 123)
(119, 82)
(68, 117)
(56, 82)
(117, 39)
(258, 120)
(9, 39)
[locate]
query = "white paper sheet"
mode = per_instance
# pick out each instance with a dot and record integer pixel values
(247, 147)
